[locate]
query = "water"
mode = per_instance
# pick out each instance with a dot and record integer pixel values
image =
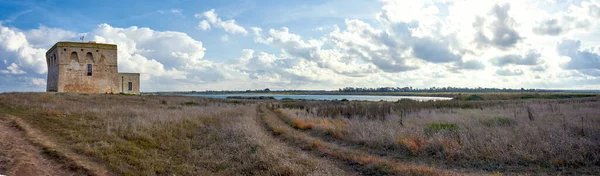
(326, 97)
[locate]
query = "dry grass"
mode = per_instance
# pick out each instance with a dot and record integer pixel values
(149, 135)
(515, 136)
(365, 163)
(135, 135)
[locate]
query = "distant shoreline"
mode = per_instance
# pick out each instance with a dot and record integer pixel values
(455, 95)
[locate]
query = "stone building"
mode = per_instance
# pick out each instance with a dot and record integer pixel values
(129, 83)
(88, 68)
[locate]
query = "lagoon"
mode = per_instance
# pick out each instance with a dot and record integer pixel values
(326, 97)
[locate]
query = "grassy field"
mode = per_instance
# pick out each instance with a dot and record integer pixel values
(163, 135)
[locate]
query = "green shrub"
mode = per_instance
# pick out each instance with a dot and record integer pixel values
(440, 127)
(191, 103)
(498, 122)
(174, 107)
(474, 97)
(288, 100)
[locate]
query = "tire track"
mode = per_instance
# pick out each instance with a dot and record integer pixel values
(362, 162)
(395, 154)
(30, 153)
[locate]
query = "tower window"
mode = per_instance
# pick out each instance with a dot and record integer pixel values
(130, 86)
(89, 69)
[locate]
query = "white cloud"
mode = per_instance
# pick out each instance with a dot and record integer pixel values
(509, 72)
(12, 69)
(258, 38)
(530, 58)
(573, 18)
(419, 44)
(45, 36)
(154, 53)
(178, 12)
(15, 48)
(169, 47)
(500, 32)
(204, 25)
(211, 17)
(38, 81)
(587, 61)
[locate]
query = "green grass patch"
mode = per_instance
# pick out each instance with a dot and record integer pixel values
(288, 100)
(174, 107)
(473, 97)
(190, 103)
(498, 122)
(441, 128)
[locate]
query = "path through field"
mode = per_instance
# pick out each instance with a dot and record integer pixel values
(360, 161)
(20, 156)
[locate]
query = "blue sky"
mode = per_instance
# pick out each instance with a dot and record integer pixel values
(320, 44)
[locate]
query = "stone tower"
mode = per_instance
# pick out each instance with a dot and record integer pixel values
(87, 68)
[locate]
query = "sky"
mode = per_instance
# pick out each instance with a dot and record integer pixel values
(184, 45)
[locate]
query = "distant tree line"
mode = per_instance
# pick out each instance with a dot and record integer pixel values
(436, 89)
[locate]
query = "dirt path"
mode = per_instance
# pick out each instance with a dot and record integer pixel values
(362, 162)
(288, 156)
(391, 154)
(20, 155)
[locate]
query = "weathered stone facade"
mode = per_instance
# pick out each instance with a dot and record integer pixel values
(129, 83)
(84, 67)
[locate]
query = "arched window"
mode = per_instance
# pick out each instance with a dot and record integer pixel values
(89, 57)
(74, 57)
(54, 57)
(102, 59)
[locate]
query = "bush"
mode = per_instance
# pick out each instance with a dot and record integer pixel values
(191, 103)
(474, 97)
(440, 127)
(301, 124)
(497, 122)
(279, 130)
(406, 100)
(288, 100)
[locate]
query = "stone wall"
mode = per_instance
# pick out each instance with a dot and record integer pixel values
(129, 78)
(73, 59)
(52, 62)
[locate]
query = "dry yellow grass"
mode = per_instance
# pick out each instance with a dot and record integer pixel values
(514, 136)
(159, 135)
(133, 135)
(365, 163)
